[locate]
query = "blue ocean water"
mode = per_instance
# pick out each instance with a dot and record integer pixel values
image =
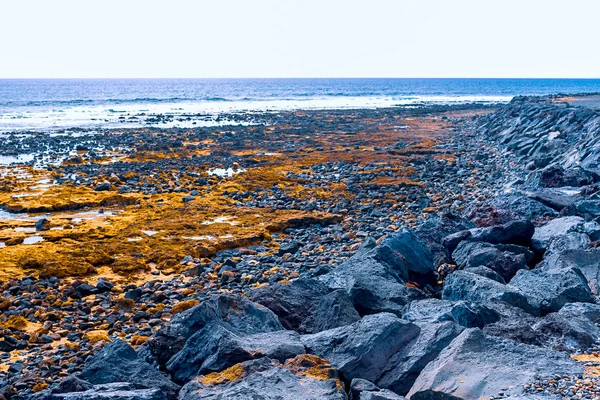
(55, 104)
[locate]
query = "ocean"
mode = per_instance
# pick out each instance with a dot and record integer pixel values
(60, 104)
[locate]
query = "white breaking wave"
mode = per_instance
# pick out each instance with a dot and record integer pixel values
(201, 113)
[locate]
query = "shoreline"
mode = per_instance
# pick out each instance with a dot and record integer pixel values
(315, 190)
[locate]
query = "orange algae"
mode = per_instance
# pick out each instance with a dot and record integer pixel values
(229, 375)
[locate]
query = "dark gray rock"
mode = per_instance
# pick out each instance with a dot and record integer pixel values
(215, 348)
(587, 209)
(554, 229)
(478, 254)
(570, 241)
(373, 278)
(111, 391)
(477, 366)
(514, 232)
(557, 198)
(586, 261)
(487, 273)
(41, 224)
(237, 313)
(363, 349)
(118, 362)
(435, 229)
(307, 305)
(571, 329)
(264, 379)
(289, 247)
(361, 389)
(463, 285)
(464, 313)
(548, 291)
(383, 349)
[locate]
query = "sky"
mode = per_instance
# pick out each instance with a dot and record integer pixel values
(299, 38)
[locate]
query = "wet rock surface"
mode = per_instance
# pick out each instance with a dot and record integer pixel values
(454, 259)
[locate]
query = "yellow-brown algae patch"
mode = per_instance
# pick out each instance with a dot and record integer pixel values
(229, 375)
(97, 336)
(184, 305)
(313, 367)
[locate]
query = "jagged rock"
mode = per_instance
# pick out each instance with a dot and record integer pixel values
(382, 348)
(72, 383)
(304, 377)
(487, 273)
(572, 329)
(464, 313)
(433, 231)
(361, 389)
(476, 366)
(587, 209)
(557, 198)
(478, 254)
(118, 362)
(548, 291)
(307, 305)
(363, 349)
(215, 348)
(586, 261)
(554, 176)
(509, 207)
(463, 285)
(289, 247)
(248, 318)
(374, 280)
(570, 241)
(554, 229)
(514, 232)
(111, 391)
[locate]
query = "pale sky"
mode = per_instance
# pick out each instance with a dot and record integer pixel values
(299, 38)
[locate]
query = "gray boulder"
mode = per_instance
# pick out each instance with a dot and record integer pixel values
(548, 291)
(477, 366)
(215, 348)
(118, 362)
(587, 209)
(514, 232)
(545, 234)
(478, 254)
(363, 349)
(463, 285)
(304, 377)
(374, 280)
(464, 313)
(361, 389)
(586, 261)
(383, 349)
(237, 313)
(111, 391)
(307, 305)
(570, 241)
(487, 273)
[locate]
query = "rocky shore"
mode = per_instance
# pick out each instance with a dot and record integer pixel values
(423, 253)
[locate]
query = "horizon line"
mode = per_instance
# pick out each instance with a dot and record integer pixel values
(291, 77)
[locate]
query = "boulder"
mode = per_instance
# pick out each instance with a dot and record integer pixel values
(554, 229)
(236, 313)
(475, 366)
(307, 305)
(464, 313)
(363, 349)
(433, 231)
(373, 278)
(383, 349)
(554, 176)
(515, 232)
(586, 261)
(463, 285)
(571, 329)
(361, 389)
(111, 391)
(587, 209)
(557, 198)
(304, 377)
(548, 291)
(118, 362)
(215, 348)
(570, 241)
(478, 254)
(487, 273)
